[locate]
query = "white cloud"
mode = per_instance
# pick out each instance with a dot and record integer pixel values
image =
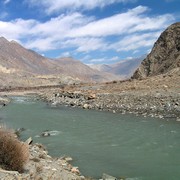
(129, 58)
(115, 58)
(88, 34)
(6, 1)
(65, 54)
(98, 60)
(135, 41)
(16, 29)
(60, 25)
(102, 60)
(135, 51)
(87, 57)
(85, 34)
(86, 44)
(152, 23)
(41, 44)
(59, 5)
(128, 22)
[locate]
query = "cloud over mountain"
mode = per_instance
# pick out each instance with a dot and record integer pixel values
(94, 28)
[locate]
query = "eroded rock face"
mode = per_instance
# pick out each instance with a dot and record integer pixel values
(164, 56)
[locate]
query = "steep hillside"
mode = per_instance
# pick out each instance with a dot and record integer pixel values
(79, 70)
(20, 66)
(15, 57)
(164, 56)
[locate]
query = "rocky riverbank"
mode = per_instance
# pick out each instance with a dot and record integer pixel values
(155, 97)
(42, 166)
(155, 105)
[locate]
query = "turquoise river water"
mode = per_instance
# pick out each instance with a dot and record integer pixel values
(101, 142)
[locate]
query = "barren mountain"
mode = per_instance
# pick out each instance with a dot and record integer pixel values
(18, 59)
(79, 70)
(19, 65)
(124, 69)
(164, 56)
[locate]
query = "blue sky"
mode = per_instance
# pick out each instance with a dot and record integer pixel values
(93, 31)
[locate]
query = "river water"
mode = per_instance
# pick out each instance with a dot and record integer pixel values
(101, 142)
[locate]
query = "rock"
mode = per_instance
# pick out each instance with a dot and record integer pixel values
(165, 86)
(68, 159)
(54, 169)
(4, 101)
(45, 134)
(164, 56)
(177, 103)
(75, 170)
(85, 106)
(9, 172)
(168, 106)
(29, 141)
(108, 177)
(91, 96)
(54, 104)
(18, 131)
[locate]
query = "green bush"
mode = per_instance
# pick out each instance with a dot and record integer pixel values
(13, 153)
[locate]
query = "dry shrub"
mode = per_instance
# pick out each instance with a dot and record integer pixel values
(13, 153)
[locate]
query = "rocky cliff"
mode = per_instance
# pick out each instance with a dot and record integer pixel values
(165, 54)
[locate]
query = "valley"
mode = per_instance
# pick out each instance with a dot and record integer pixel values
(150, 88)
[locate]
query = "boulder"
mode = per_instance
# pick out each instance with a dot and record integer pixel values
(85, 106)
(108, 177)
(4, 101)
(75, 170)
(29, 141)
(45, 134)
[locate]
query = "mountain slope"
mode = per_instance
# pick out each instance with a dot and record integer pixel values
(17, 62)
(124, 69)
(14, 56)
(79, 70)
(164, 56)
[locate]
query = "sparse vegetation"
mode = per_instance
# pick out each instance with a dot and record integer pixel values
(13, 153)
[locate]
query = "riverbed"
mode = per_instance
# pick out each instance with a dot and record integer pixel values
(100, 142)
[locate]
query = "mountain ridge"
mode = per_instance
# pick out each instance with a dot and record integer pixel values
(123, 68)
(164, 56)
(17, 61)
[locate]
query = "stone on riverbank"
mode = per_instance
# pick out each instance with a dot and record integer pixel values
(43, 166)
(4, 101)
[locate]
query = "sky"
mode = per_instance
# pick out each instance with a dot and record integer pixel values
(92, 31)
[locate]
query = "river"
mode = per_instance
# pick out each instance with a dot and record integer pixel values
(101, 142)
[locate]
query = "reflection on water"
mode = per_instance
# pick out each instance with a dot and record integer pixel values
(101, 142)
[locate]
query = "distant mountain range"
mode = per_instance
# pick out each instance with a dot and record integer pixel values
(123, 69)
(20, 66)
